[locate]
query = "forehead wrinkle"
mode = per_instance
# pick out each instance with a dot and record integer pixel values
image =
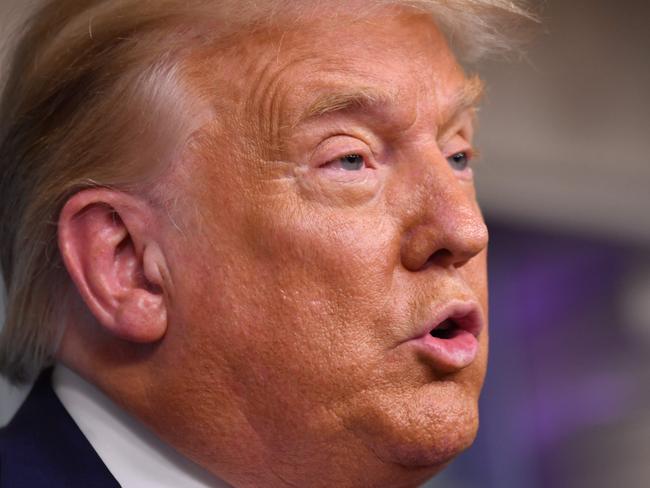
(267, 97)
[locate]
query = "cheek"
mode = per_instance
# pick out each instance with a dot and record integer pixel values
(291, 300)
(291, 312)
(327, 273)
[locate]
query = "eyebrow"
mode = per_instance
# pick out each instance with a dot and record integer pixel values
(359, 98)
(468, 98)
(342, 101)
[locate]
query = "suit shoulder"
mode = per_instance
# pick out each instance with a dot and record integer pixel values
(43, 447)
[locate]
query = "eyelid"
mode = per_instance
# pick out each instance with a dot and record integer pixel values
(355, 145)
(367, 160)
(456, 143)
(461, 127)
(470, 151)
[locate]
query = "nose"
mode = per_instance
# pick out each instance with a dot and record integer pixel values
(445, 227)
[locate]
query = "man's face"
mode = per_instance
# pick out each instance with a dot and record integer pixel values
(327, 224)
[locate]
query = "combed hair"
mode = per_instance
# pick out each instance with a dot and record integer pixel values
(76, 69)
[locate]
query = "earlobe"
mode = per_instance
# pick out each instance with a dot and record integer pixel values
(140, 317)
(114, 263)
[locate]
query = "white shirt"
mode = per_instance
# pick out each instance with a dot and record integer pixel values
(134, 455)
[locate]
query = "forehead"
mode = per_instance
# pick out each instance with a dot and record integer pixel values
(280, 75)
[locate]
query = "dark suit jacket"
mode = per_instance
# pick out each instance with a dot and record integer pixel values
(42, 447)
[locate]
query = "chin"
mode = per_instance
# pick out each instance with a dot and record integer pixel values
(426, 429)
(449, 441)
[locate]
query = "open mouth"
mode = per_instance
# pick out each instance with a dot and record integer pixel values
(446, 330)
(453, 342)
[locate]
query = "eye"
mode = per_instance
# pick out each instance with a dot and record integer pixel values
(349, 162)
(459, 161)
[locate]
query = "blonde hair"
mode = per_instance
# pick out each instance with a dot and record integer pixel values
(62, 130)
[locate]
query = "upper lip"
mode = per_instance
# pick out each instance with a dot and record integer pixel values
(465, 315)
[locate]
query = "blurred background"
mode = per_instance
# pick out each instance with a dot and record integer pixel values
(564, 181)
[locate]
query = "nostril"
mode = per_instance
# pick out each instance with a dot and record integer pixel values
(442, 257)
(427, 245)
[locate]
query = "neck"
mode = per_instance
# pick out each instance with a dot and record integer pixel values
(131, 452)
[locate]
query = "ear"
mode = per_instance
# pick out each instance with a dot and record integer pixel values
(115, 263)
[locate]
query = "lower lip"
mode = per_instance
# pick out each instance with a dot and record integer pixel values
(451, 354)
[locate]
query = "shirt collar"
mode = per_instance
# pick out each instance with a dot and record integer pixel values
(132, 453)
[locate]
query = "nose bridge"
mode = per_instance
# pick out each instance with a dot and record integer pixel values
(443, 222)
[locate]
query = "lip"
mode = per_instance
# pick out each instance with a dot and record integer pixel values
(460, 349)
